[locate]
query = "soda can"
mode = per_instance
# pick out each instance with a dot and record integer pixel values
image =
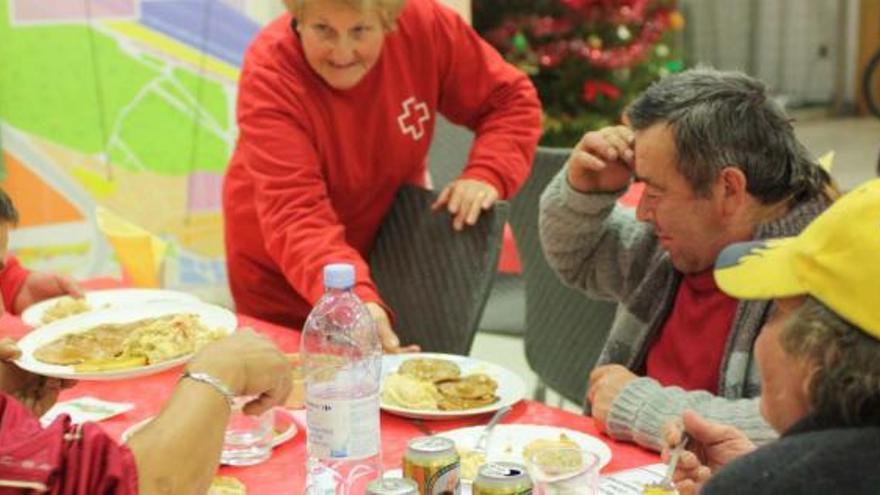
(393, 486)
(502, 478)
(433, 463)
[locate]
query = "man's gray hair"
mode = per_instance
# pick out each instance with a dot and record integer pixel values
(845, 389)
(725, 118)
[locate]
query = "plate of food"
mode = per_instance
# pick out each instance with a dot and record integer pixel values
(446, 386)
(515, 442)
(123, 342)
(284, 427)
(58, 308)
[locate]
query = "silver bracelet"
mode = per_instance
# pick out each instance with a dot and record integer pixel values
(213, 382)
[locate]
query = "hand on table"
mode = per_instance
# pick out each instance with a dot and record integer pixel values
(38, 393)
(602, 160)
(712, 445)
(390, 342)
(465, 199)
(41, 285)
(250, 365)
(606, 383)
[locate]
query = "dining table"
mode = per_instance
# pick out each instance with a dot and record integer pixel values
(285, 470)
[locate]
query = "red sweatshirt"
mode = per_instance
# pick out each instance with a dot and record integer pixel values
(316, 169)
(691, 344)
(61, 459)
(12, 278)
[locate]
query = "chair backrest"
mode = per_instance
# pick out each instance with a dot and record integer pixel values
(435, 279)
(565, 330)
(448, 152)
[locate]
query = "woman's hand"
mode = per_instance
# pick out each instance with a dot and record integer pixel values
(390, 342)
(465, 199)
(38, 393)
(39, 286)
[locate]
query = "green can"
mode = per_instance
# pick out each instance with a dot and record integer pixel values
(433, 463)
(502, 478)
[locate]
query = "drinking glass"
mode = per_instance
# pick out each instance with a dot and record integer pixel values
(248, 439)
(564, 470)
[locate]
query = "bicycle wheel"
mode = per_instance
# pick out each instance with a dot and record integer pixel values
(871, 84)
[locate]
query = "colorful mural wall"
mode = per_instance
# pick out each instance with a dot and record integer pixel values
(126, 105)
(122, 108)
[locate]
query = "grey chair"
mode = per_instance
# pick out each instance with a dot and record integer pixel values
(436, 280)
(505, 309)
(565, 330)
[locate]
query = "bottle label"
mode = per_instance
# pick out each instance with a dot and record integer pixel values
(343, 428)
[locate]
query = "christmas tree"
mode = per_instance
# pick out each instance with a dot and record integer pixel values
(587, 58)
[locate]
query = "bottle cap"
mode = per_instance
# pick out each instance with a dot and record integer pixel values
(339, 276)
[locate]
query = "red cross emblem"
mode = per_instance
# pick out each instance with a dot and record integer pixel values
(413, 117)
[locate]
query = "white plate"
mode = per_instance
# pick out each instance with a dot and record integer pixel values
(507, 441)
(105, 299)
(511, 388)
(285, 427)
(214, 317)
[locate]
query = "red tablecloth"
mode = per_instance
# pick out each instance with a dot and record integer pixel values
(284, 472)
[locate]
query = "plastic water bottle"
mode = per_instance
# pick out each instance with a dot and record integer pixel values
(342, 358)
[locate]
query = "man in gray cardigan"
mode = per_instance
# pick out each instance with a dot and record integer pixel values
(720, 164)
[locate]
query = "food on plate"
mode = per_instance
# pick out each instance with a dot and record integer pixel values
(555, 455)
(114, 346)
(436, 384)
(227, 485)
(407, 391)
(467, 392)
(110, 364)
(430, 369)
(471, 460)
(64, 307)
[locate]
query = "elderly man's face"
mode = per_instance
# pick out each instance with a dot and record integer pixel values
(784, 379)
(691, 228)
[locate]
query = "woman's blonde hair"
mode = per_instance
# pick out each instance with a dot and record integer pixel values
(388, 10)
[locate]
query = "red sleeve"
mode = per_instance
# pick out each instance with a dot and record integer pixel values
(301, 229)
(12, 278)
(62, 459)
(480, 90)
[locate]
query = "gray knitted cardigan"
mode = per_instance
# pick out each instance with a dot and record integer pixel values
(600, 248)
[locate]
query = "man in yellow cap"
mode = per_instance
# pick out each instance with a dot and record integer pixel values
(819, 356)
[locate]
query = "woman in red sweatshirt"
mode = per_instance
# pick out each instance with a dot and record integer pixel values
(336, 110)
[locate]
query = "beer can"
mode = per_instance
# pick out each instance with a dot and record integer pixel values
(502, 478)
(393, 486)
(433, 463)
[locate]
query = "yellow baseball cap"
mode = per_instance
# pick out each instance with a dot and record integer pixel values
(836, 259)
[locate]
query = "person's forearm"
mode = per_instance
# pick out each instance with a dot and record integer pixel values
(589, 243)
(179, 451)
(644, 407)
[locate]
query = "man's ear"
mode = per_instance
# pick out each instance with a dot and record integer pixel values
(732, 188)
(807, 382)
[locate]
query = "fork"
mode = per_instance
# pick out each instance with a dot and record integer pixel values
(483, 440)
(665, 485)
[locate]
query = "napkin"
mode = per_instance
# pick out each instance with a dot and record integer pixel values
(83, 409)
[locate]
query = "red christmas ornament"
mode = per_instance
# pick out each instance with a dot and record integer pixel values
(593, 88)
